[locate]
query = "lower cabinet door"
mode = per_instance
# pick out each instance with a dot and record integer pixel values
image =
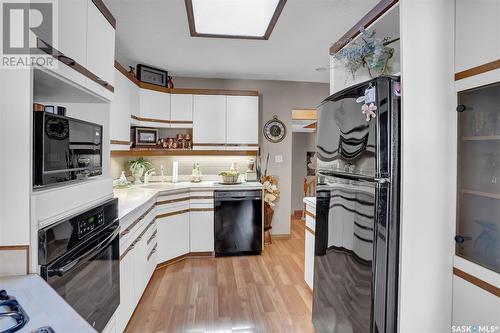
(127, 292)
(173, 236)
(202, 231)
(140, 268)
(309, 259)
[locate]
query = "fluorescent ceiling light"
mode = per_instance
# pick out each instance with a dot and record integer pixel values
(252, 19)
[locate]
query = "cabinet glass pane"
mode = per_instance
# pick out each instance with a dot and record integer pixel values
(478, 199)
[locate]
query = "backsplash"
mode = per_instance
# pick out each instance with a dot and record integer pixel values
(210, 166)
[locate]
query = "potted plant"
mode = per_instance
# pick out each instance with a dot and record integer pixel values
(138, 167)
(271, 195)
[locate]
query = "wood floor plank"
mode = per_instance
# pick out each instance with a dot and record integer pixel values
(231, 294)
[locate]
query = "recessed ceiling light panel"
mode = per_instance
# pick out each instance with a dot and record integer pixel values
(247, 19)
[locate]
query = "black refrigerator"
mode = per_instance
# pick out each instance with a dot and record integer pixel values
(357, 209)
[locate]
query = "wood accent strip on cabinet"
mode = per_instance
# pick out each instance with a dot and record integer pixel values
(310, 230)
(201, 209)
(478, 70)
(182, 122)
(153, 250)
(181, 152)
(68, 61)
(477, 282)
(380, 9)
(105, 12)
(119, 142)
(201, 197)
(150, 120)
(25, 248)
(133, 224)
(200, 255)
(172, 213)
(172, 201)
(127, 74)
(149, 86)
(310, 214)
(130, 248)
(267, 34)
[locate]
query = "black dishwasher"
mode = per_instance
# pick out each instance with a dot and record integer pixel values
(238, 222)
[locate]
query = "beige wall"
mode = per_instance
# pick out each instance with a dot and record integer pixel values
(301, 144)
(276, 98)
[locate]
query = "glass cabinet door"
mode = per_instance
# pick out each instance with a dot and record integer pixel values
(478, 197)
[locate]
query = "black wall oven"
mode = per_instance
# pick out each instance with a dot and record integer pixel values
(65, 149)
(79, 258)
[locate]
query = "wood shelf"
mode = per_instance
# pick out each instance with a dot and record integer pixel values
(180, 152)
(482, 194)
(481, 138)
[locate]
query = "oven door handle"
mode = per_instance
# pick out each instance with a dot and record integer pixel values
(60, 271)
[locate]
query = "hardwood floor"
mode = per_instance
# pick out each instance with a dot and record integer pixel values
(236, 294)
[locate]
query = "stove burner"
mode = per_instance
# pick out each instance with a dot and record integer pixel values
(15, 312)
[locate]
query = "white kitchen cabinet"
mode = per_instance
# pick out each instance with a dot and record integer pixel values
(140, 267)
(242, 122)
(477, 32)
(201, 230)
(173, 236)
(155, 107)
(181, 110)
(125, 101)
(309, 258)
(127, 292)
(100, 44)
(72, 29)
(209, 122)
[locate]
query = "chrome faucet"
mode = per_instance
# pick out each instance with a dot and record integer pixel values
(148, 175)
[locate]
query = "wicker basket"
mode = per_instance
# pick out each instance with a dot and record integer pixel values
(230, 179)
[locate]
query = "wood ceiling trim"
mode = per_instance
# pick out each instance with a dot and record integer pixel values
(269, 30)
(380, 9)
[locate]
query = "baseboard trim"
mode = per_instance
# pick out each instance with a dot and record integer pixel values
(189, 255)
(477, 282)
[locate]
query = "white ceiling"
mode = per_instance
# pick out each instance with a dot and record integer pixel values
(156, 32)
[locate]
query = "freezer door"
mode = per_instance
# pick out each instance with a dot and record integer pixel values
(343, 269)
(346, 141)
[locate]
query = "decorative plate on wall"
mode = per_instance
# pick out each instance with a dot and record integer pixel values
(275, 130)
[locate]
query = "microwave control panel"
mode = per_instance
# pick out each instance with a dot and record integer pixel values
(89, 224)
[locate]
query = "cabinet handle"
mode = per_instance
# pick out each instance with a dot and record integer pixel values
(461, 239)
(152, 252)
(102, 82)
(153, 236)
(69, 61)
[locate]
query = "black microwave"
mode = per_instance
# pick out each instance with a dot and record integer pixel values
(65, 149)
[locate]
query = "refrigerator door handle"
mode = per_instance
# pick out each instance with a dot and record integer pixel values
(383, 180)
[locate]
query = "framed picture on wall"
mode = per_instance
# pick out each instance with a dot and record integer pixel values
(311, 163)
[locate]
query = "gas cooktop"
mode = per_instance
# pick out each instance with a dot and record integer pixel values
(12, 315)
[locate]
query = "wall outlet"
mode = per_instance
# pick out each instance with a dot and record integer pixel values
(278, 158)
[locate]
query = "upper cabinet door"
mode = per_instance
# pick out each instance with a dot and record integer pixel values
(72, 28)
(181, 111)
(125, 100)
(155, 107)
(242, 124)
(100, 44)
(477, 32)
(209, 120)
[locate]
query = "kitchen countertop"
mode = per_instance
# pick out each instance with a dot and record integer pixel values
(43, 305)
(135, 196)
(310, 201)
